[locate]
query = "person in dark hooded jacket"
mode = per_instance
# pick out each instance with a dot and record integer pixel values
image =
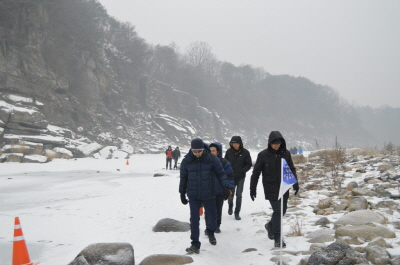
(197, 181)
(176, 154)
(240, 160)
(269, 164)
(216, 149)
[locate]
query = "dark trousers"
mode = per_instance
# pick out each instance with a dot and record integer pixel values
(275, 222)
(169, 161)
(176, 163)
(239, 183)
(209, 206)
(219, 203)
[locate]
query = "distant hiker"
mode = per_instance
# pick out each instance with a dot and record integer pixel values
(300, 151)
(269, 164)
(240, 160)
(168, 153)
(176, 154)
(216, 149)
(295, 150)
(196, 179)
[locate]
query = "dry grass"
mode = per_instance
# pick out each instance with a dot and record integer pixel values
(19, 147)
(296, 227)
(294, 201)
(299, 159)
(316, 185)
(50, 154)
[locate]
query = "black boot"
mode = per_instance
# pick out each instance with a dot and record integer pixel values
(193, 249)
(269, 230)
(230, 210)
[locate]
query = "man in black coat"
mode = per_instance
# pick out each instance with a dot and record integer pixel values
(176, 154)
(269, 164)
(240, 160)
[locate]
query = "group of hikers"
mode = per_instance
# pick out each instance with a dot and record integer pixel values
(176, 154)
(295, 151)
(207, 180)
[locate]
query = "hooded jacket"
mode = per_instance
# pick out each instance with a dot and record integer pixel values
(227, 168)
(239, 159)
(197, 175)
(269, 164)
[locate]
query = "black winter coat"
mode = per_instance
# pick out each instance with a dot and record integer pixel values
(269, 164)
(176, 154)
(240, 160)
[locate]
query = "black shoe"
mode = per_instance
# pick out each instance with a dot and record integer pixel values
(192, 250)
(213, 240)
(237, 217)
(278, 244)
(205, 232)
(269, 230)
(218, 230)
(230, 211)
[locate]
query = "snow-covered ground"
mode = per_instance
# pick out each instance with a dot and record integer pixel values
(65, 205)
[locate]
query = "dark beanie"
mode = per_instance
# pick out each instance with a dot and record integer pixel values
(197, 143)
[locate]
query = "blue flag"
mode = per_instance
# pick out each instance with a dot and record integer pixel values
(287, 178)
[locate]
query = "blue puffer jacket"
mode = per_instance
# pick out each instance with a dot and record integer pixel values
(227, 168)
(197, 178)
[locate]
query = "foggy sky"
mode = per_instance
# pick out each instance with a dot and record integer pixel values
(351, 46)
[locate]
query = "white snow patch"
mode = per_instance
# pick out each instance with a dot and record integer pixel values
(88, 149)
(16, 98)
(10, 108)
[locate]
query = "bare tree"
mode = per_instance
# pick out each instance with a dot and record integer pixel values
(199, 56)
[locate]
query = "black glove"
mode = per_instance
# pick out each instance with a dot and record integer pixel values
(227, 193)
(296, 188)
(253, 194)
(183, 199)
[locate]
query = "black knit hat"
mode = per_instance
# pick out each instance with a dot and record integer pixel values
(197, 143)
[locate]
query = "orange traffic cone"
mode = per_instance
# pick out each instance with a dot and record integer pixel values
(20, 251)
(127, 162)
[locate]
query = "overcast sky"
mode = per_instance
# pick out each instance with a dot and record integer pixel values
(352, 46)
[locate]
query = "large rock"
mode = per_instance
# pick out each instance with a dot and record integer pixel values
(352, 185)
(171, 225)
(377, 255)
(106, 254)
(384, 167)
(325, 203)
(359, 203)
(367, 232)
(321, 236)
(336, 253)
(166, 259)
(359, 192)
(360, 217)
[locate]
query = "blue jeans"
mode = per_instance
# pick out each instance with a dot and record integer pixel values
(211, 210)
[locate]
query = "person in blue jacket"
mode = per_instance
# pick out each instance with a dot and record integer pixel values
(216, 149)
(197, 181)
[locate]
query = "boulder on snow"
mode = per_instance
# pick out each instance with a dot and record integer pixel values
(360, 217)
(367, 232)
(336, 253)
(359, 203)
(106, 254)
(166, 259)
(377, 255)
(171, 225)
(321, 236)
(384, 167)
(352, 185)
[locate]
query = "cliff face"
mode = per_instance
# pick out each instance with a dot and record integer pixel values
(68, 64)
(91, 86)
